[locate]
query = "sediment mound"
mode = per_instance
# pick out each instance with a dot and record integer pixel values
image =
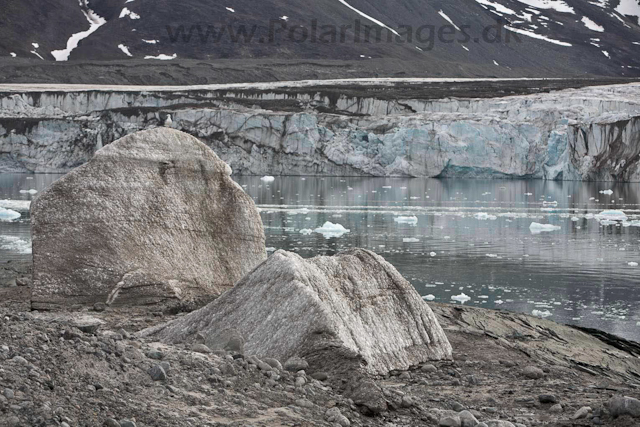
(352, 313)
(154, 217)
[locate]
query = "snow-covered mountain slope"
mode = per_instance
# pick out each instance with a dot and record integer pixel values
(538, 37)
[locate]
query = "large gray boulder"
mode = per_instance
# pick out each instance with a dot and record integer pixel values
(352, 313)
(153, 218)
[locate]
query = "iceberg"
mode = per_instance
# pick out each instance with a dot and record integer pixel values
(267, 178)
(15, 244)
(429, 297)
(607, 192)
(537, 228)
(330, 229)
(484, 216)
(462, 298)
(611, 215)
(410, 240)
(541, 313)
(32, 191)
(406, 220)
(8, 214)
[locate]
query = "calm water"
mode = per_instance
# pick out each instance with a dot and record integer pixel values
(464, 239)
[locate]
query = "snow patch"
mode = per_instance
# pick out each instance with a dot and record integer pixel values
(557, 5)
(537, 36)
(592, 25)
(126, 12)
(95, 22)
(162, 57)
(124, 49)
(375, 21)
(446, 17)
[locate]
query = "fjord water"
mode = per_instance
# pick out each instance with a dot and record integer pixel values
(462, 241)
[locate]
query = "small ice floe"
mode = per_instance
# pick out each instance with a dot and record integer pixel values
(537, 228)
(306, 231)
(406, 220)
(32, 191)
(632, 264)
(330, 229)
(541, 313)
(483, 216)
(498, 301)
(611, 215)
(271, 249)
(575, 218)
(429, 297)
(462, 298)
(528, 194)
(8, 214)
(267, 178)
(545, 203)
(432, 254)
(492, 255)
(16, 205)
(15, 244)
(410, 240)
(607, 192)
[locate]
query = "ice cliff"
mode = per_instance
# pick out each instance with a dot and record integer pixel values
(575, 134)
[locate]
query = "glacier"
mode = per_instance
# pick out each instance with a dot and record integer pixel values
(589, 134)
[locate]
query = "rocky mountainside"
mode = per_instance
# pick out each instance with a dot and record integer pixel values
(371, 128)
(453, 37)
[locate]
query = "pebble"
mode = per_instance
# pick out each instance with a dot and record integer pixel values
(304, 403)
(300, 381)
(110, 422)
(556, 409)
(200, 348)
(456, 406)
(155, 354)
(127, 423)
(296, 364)
(274, 363)
(547, 398)
(429, 368)
(334, 415)
(8, 393)
(533, 372)
(20, 360)
(99, 307)
(581, 413)
(157, 373)
(450, 421)
(320, 376)
(467, 419)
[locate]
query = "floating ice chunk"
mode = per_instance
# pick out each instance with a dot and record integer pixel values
(498, 301)
(611, 215)
(528, 194)
(492, 255)
(537, 228)
(18, 205)
(575, 218)
(432, 254)
(607, 192)
(406, 219)
(461, 298)
(410, 240)
(267, 178)
(271, 249)
(632, 264)
(330, 229)
(8, 214)
(306, 231)
(31, 191)
(545, 203)
(541, 313)
(483, 216)
(15, 244)
(429, 297)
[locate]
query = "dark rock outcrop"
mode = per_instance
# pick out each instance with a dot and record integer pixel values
(153, 217)
(350, 314)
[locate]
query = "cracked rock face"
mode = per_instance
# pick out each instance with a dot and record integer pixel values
(352, 313)
(153, 218)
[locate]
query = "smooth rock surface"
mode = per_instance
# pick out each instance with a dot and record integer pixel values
(154, 217)
(624, 405)
(347, 314)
